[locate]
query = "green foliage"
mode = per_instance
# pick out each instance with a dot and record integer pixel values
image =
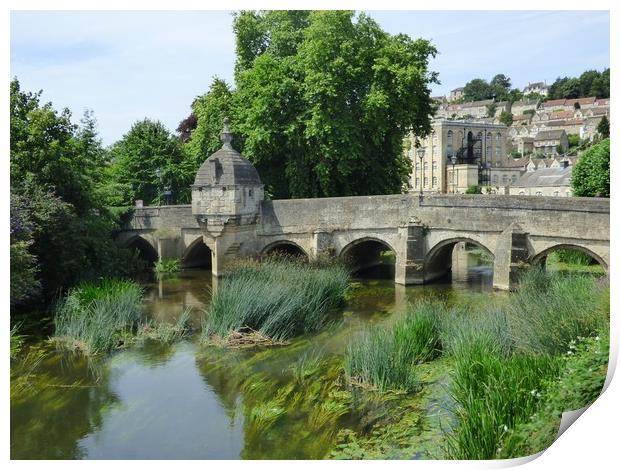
(474, 189)
(573, 141)
(569, 256)
(590, 83)
(505, 117)
(603, 128)
(322, 102)
(578, 385)
(96, 318)
(491, 109)
(498, 88)
(17, 341)
(551, 309)
(210, 110)
(279, 298)
(590, 176)
(148, 148)
(531, 112)
(167, 267)
(493, 394)
(60, 233)
(384, 358)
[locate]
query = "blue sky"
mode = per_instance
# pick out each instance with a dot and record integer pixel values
(130, 65)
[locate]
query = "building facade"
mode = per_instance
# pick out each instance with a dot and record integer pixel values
(478, 150)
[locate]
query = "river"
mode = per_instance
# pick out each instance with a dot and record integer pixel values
(185, 401)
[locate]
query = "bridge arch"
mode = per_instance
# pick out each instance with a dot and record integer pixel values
(438, 260)
(369, 252)
(197, 255)
(541, 257)
(286, 247)
(145, 249)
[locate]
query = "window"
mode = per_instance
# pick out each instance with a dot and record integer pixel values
(449, 152)
(498, 137)
(417, 182)
(434, 166)
(556, 193)
(505, 179)
(538, 193)
(514, 178)
(434, 181)
(450, 138)
(494, 179)
(425, 181)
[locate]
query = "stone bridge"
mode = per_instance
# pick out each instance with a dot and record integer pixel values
(229, 218)
(516, 230)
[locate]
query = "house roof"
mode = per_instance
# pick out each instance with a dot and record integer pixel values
(562, 115)
(525, 103)
(457, 89)
(555, 134)
(581, 101)
(545, 177)
(552, 103)
(516, 163)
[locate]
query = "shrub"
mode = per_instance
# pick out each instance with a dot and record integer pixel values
(384, 358)
(166, 268)
(579, 385)
(591, 175)
(280, 298)
(474, 189)
(98, 317)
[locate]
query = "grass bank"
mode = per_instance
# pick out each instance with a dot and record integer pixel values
(279, 298)
(509, 372)
(97, 317)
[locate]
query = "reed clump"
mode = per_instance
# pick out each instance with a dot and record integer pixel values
(98, 317)
(384, 358)
(278, 298)
(165, 332)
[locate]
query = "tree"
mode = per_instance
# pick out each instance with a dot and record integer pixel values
(586, 80)
(501, 86)
(590, 176)
(601, 85)
(477, 90)
(603, 127)
(60, 231)
(210, 110)
(491, 109)
(322, 102)
(186, 127)
(474, 189)
(147, 160)
(505, 117)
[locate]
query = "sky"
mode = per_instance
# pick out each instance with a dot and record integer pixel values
(128, 65)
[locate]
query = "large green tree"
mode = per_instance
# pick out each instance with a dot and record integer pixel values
(590, 176)
(146, 161)
(323, 101)
(60, 232)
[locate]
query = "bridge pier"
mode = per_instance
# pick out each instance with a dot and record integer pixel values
(410, 258)
(511, 257)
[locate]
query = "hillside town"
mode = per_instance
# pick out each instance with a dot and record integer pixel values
(523, 147)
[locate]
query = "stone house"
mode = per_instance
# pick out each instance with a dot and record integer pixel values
(550, 142)
(519, 107)
(552, 181)
(540, 88)
(456, 94)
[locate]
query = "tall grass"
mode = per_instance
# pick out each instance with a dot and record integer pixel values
(17, 341)
(504, 358)
(384, 358)
(551, 309)
(493, 393)
(97, 317)
(279, 298)
(165, 332)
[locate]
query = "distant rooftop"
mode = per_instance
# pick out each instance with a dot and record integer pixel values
(545, 177)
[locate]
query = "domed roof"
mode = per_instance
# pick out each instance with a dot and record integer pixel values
(227, 166)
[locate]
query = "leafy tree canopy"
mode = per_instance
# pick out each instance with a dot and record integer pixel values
(590, 176)
(589, 83)
(603, 127)
(322, 103)
(147, 160)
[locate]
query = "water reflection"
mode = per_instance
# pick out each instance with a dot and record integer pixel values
(182, 401)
